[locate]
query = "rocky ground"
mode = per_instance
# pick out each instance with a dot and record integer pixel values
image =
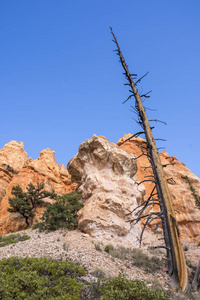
(87, 251)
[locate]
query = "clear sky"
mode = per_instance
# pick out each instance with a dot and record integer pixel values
(60, 81)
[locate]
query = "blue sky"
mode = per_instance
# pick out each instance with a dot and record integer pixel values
(60, 81)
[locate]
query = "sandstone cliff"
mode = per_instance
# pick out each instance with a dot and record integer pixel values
(187, 213)
(106, 177)
(17, 169)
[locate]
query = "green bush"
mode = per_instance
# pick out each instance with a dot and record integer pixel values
(107, 249)
(120, 288)
(61, 214)
(46, 278)
(12, 239)
(24, 237)
(39, 278)
(9, 237)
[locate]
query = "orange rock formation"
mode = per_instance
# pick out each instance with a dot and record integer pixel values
(187, 213)
(17, 169)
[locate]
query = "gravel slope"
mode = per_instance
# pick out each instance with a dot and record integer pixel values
(81, 248)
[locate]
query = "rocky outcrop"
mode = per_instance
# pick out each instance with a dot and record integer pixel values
(187, 213)
(106, 178)
(12, 159)
(18, 169)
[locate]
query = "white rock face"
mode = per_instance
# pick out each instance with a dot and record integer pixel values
(106, 177)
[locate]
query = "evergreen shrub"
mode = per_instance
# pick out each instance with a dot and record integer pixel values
(121, 288)
(61, 214)
(107, 249)
(39, 278)
(12, 239)
(46, 278)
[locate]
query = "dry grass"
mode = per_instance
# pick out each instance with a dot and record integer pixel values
(97, 247)
(98, 273)
(136, 257)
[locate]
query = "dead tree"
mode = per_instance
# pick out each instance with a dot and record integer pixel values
(176, 261)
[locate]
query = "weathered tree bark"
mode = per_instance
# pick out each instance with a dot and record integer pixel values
(176, 261)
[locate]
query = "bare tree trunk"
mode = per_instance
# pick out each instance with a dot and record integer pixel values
(176, 260)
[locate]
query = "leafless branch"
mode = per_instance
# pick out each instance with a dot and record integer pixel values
(146, 180)
(156, 247)
(147, 108)
(141, 78)
(146, 223)
(134, 111)
(161, 140)
(136, 134)
(158, 225)
(145, 95)
(136, 220)
(168, 165)
(140, 156)
(147, 167)
(157, 121)
(145, 202)
(127, 99)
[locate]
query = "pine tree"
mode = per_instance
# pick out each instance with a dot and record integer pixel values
(25, 203)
